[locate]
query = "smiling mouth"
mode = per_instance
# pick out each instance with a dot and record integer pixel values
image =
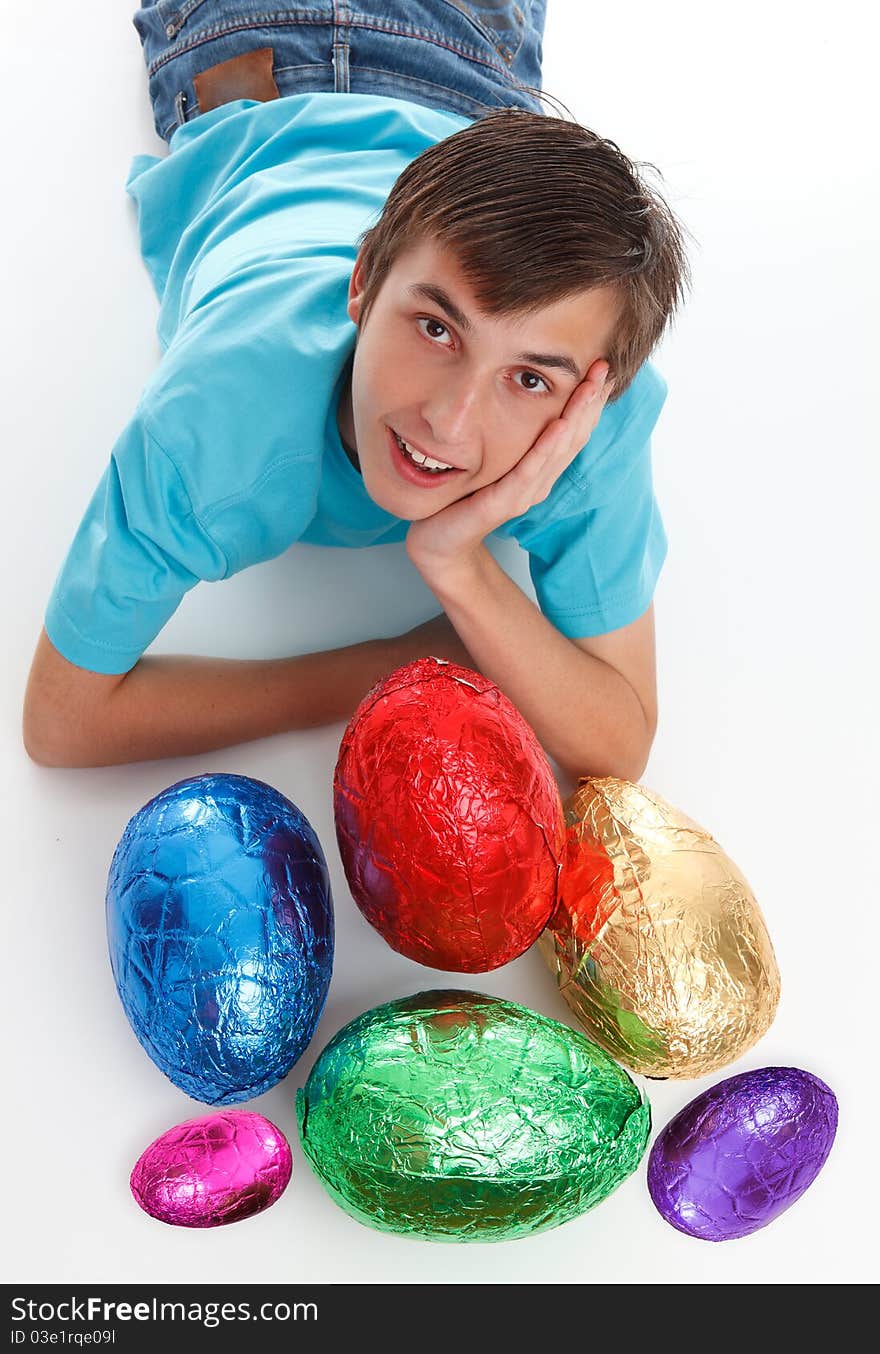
(427, 463)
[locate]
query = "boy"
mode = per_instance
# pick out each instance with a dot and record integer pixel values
(391, 289)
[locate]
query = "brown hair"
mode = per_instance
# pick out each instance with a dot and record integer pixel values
(536, 208)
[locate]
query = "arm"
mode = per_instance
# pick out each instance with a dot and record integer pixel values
(591, 702)
(176, 705)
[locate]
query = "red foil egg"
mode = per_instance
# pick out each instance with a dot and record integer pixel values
(448, 818)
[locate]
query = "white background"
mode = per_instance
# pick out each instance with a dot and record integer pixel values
(758, 117)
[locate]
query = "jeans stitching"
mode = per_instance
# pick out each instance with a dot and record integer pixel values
(204, 35)
(420, 82)
(439, 41)
(508, 54)
(453, 100)
(304, 66)
(341, 46)
(176, 12)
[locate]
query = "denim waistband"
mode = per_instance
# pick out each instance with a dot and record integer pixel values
(465, 57)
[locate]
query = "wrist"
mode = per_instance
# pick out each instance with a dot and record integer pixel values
(384, 656)
(391, 653)
(451, 577)
(435, 638)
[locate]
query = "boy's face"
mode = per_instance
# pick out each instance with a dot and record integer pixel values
(465, 389)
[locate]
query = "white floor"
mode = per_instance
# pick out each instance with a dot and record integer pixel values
(758, 118)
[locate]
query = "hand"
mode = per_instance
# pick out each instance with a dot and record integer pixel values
(448, 538)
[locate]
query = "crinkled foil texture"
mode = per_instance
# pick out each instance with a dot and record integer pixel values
(448, 818)
(220, 930)
(742, 1152)
(454, 1116)
(658, 944)
(214, 1170)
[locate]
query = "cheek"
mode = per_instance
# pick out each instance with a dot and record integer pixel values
(366, 388)
(509, 443)
(381, 371)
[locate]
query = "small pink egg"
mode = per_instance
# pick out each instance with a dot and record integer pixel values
(213, 1170)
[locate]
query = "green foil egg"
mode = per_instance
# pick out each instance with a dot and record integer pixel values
(455, 1116)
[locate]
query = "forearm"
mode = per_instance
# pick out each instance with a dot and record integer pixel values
(178, 705)
(584, 713)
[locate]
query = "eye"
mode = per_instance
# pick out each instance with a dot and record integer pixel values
(533, 376)
(432, 324)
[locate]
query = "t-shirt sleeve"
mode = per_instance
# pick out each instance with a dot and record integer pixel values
(595, 555)
(138, 549)
(597, 571)
(216, 471)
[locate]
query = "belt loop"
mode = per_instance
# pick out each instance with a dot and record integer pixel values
(341, 48)
(180, 107)
(340, 68)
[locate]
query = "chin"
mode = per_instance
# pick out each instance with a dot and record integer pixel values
(379, 493)
(398, 507)
(394, 499)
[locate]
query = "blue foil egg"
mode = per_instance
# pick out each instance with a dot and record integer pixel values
(220, 929)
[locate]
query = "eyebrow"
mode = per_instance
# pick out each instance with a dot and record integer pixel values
(429, 291)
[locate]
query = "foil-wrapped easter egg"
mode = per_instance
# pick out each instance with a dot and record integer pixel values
(742, 1152)
(220, 929)
(658, 944)
(454, 1116)
(448, 818)
(210, 1171)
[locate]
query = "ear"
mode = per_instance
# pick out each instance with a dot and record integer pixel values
(356, 290)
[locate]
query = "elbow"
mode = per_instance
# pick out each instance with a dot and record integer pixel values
(636, 760)
(55, 752)
(632, 758)
(51, 735)
(40, 745)
(63, 710)
(42, 720)
(598, 768)
(59, 743)
(32, 733)
(31, 749)
(626, 760)
(35, 752)
(635, 769)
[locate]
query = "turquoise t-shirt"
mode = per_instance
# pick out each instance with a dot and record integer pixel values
(248, 228)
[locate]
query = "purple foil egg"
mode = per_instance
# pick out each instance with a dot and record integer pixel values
(742, 1152)
(210, 1171)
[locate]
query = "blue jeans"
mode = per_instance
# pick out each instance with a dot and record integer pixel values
(465, 57)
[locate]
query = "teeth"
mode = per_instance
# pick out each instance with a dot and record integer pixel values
(426, 462)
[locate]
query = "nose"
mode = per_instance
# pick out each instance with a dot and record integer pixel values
(451, 410)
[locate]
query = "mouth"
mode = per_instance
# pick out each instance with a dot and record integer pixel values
(416, 466)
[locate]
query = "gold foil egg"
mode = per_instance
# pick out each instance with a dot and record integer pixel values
(658, 944)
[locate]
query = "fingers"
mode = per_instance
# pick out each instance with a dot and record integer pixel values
(597, 383)
(530, 480)
(583, 410)
(563, 439)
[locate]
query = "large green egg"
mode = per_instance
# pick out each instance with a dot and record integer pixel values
(454, 1116)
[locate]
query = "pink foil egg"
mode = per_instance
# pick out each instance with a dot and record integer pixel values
(213, 1170)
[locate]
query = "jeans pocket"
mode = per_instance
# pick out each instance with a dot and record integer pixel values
(174, 14)
(499, 22)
